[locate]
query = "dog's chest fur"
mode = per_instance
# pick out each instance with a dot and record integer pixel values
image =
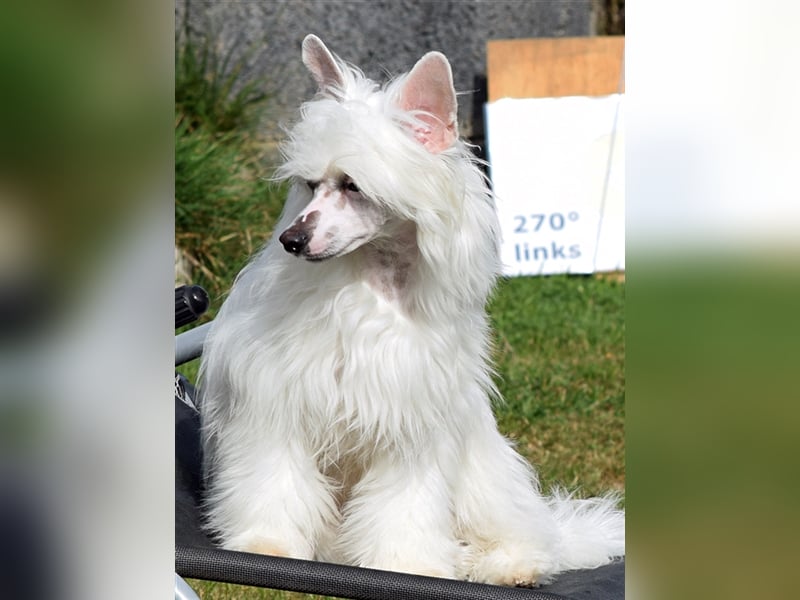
(364, 365)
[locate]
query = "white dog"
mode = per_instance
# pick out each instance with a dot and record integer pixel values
(346, 382)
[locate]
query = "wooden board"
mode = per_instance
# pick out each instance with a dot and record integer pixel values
(552, 67)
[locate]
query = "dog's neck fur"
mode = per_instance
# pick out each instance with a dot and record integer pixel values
(390, 262)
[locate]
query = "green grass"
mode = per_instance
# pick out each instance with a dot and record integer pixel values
(225, 205)
(560, 355)
(212, 590)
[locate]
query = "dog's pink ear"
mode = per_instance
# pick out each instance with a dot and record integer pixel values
(429, 88)
(321, 63)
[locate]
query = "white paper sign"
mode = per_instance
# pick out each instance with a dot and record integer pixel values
(557, 168)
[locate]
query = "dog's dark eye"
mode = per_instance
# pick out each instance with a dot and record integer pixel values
(312, 185)
(352, 187)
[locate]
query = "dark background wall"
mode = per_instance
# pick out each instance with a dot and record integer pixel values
(382, 37)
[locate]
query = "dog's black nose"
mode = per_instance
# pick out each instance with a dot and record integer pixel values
(294, 240)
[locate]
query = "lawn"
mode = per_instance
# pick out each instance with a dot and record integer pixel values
(560, 356)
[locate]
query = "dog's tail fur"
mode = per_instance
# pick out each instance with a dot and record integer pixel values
(592, 530)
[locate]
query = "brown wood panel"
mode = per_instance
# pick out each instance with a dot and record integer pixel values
(552, 67)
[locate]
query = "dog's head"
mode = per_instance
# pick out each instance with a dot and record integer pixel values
(361, 156)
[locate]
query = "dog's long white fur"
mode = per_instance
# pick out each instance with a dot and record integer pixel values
(350, 420)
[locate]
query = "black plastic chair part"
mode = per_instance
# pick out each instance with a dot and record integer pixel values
(191, 301)
(327, 579)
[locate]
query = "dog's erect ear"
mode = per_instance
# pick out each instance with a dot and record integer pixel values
(321, 63)
(429, 88)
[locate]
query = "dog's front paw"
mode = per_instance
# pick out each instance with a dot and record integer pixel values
(267, 546)
(513, 565)
(270, 546)
(443, 571)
